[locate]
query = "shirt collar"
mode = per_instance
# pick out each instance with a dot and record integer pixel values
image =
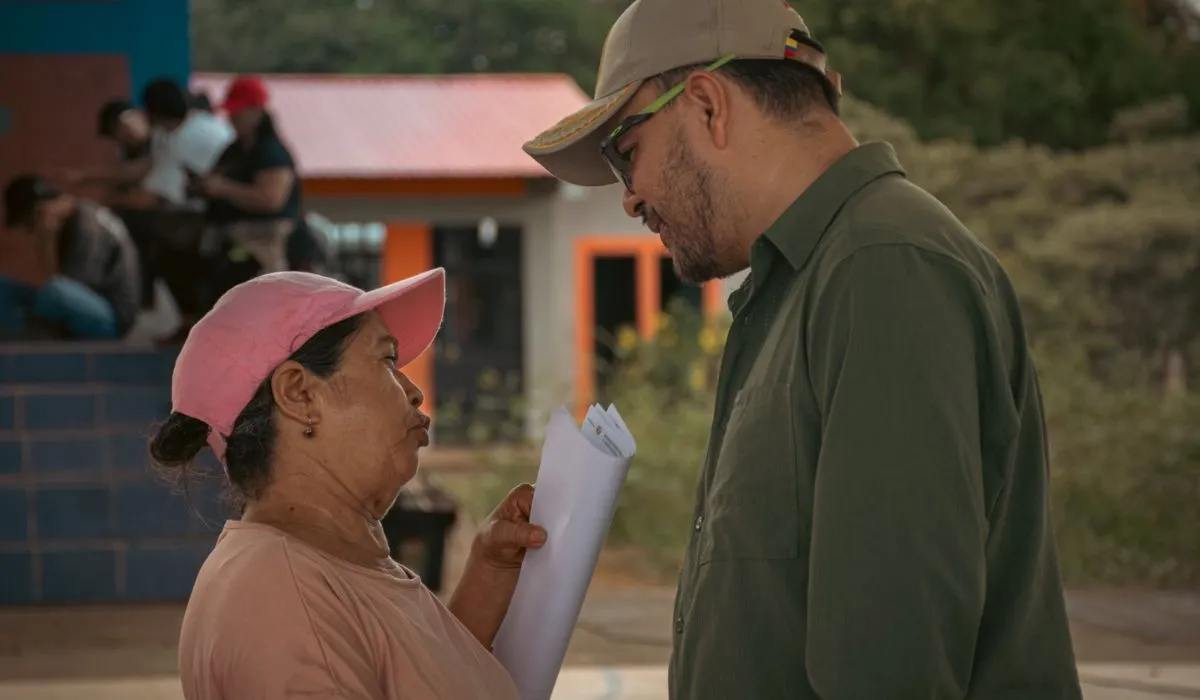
(796, 233)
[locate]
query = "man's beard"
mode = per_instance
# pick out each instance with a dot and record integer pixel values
(692, 228)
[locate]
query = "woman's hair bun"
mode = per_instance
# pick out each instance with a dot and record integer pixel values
(178, 441)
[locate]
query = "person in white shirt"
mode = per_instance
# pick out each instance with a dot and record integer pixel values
(184, 142)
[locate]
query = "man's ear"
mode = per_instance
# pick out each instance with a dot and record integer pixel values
(711, 99)
(295, 392)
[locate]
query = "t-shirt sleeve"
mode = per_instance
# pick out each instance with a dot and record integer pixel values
(271, 155)
(287, 636)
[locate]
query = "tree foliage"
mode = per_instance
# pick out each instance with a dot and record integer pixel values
(399, 36)
(985, 71)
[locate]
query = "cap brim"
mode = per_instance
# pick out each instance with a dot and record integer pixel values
(570, 149)
(412, 310)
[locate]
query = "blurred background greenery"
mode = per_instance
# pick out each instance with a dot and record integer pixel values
(981, 71)
(1065, 135)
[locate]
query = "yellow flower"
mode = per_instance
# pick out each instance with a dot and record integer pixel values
(664, 322)
(698, 377)
(489, 379)
(708, 339)
(627, 339)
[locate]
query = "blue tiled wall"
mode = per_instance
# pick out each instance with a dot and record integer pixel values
(83, 518)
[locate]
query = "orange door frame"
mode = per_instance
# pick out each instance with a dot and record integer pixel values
(407, 251)
(647, 252)
(408, 248)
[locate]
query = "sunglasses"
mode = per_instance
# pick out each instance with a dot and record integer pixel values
(620, 161)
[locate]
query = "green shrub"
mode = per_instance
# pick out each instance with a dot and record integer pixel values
(1124, 461)
(664, 388)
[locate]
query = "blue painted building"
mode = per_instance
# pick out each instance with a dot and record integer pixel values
(61, 59)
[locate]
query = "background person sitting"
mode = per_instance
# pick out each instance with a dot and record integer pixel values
(129, 129)
(254, 196)
(67, 267)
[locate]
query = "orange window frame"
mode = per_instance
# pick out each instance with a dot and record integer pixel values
(647, 253)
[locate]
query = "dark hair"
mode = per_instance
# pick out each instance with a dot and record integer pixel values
(110, 116)
(251, 447)
(201, 101)
(165, 99)
(266, 128)
(783, 89)
(22, 195)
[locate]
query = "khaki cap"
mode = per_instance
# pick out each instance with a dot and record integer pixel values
(655, 36)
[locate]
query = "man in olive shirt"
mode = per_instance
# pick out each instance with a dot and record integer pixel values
(872, 518)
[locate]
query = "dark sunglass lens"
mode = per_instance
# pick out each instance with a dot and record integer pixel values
(616, 163)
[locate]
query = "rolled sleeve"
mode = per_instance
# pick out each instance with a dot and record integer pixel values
(896, 568)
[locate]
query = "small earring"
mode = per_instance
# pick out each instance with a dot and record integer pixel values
(308, 430)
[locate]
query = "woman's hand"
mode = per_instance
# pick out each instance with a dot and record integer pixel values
(506, 534)
(212, 186)
(481, 600)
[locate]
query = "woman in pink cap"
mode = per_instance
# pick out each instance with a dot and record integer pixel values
(294, 380)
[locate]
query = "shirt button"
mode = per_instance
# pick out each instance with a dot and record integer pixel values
(679, 625)
(699, 522)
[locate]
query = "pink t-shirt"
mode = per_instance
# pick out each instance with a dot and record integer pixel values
(272, 618)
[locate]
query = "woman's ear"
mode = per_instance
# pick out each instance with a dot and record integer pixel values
(295, 392)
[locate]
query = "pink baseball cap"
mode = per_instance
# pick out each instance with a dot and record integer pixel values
(258, 324)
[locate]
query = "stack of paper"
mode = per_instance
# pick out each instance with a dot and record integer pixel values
(580, 476)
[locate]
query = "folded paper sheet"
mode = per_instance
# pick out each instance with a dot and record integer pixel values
(578, 482)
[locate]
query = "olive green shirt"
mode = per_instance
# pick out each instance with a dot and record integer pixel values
(872, 520)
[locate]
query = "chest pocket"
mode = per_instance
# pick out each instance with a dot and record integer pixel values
(752, 506)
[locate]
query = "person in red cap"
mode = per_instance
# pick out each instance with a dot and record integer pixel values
(295, 381)
(253, 191)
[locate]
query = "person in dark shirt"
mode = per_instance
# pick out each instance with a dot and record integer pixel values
(254, 193)
(128, 128)
(67, 266)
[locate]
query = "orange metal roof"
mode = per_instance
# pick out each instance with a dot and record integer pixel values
(412, 126)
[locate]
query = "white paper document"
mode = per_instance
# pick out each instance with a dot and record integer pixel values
(578, 482)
